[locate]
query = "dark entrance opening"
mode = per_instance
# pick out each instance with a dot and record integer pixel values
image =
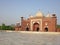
(27, 29)
(46, 29)
(35, 27)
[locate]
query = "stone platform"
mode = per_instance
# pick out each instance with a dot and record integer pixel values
(29, 38)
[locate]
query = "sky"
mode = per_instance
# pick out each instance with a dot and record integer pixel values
(12, 10)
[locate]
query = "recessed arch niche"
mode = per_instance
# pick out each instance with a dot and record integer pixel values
(36, 26)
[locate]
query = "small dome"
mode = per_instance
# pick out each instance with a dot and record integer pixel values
(17, 22)
(39, 14)
(31, 16)
(48, 15)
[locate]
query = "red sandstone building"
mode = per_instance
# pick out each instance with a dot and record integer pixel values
(39, 22)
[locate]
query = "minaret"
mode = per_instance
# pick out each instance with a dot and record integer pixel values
(54, 18)
(21, 22)
(21, 18)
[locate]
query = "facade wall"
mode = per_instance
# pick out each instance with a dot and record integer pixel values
(38, 23)
(50, 23)
(25, 24)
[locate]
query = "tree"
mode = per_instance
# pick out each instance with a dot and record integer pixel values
(0, 27)
(3, 26)
(6, 27)
(58, 26)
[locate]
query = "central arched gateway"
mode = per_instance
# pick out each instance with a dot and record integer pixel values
(35, 27)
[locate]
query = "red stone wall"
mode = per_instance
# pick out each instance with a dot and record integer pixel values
(17, 29)
(24, 24)
(52, 21)
(58, 29)
(51, 24)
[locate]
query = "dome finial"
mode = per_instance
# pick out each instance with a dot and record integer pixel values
(54, 12)
(39, 9)
(48, 12)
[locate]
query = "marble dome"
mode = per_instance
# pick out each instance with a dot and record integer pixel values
(39, 14)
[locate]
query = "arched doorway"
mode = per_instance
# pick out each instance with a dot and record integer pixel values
(46, 29)
(27, 29)
(35, 27)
